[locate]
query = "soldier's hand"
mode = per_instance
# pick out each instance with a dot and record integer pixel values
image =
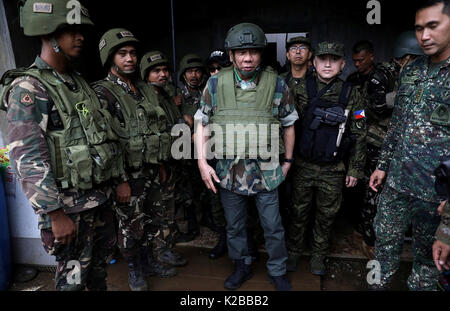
(441, 255)
(350, 181)
(208, 174)
(123, 193)
(177, 100)
(441, 207)
(63, 227)
(189, 120)
(376, 179)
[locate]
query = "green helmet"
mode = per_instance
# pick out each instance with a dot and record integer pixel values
(245, 35)
(151, 59)
(43, 17)
(112, 40)
(191, 61)
(405, 44)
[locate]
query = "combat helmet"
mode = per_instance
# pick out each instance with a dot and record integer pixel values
(112, 40)
(151, 59)
(44, 17)
(190, 61)
(244, 36)
(406, 43)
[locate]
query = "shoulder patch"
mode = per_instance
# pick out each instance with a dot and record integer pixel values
(26, 98)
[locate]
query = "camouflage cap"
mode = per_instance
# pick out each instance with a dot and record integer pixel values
(298, 39)
(333, 48)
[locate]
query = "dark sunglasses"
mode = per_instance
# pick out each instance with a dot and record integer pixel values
(212, 69)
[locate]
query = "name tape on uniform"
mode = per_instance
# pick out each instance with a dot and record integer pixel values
(42, 7)
(102, 44)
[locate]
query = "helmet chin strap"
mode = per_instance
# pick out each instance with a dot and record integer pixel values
(127, 73)
(158, 84)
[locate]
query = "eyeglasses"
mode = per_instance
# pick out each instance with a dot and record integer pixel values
(296, 48)
(213, 69)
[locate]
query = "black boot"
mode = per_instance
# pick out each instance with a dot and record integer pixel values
(151, 267)
(221, 248)
(193, 227)
(241, 273)
(136, 280)
(173, 258)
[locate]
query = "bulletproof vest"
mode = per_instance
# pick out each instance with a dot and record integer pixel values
(167, 104)
(251, 108)
(144, 136)
(319, 129)
(84, 151)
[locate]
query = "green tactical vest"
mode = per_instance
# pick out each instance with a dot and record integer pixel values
(172, 112)
(86, 150)
(245, 107)
(144, 137)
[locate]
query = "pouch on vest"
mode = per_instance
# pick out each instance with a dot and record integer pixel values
(80, 165)
(134, 149)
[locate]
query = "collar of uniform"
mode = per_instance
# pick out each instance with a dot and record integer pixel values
(65, 78)
(252, 84)
(41, 64)
(115, 79)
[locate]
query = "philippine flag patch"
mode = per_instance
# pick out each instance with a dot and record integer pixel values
(360, 114)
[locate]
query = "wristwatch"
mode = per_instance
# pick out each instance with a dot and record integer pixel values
(288, 160)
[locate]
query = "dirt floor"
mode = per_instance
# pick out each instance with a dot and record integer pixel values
(346, 268)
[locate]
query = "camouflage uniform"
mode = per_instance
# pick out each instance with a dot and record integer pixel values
(443, 231)
(162, 195)
(31, 114)
(376, 85)
(243, 178)
(138, 225)
(324, 181)
(416, 141)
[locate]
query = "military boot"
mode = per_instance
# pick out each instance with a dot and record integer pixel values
(173, 258)
(317, 264)
(292, 262)
(136, 280)
(281, 283)
(241, 273)
(221, 248)
(151, 267)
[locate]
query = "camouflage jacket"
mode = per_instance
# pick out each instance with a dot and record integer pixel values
(443, 231)
(31, 114)
(246, 176)
(190, 100)
(296, 87)
(357, 102)
(419, 132)
(376, 85)
(166, 101)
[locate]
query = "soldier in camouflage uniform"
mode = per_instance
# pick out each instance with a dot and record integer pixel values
(141, 126)
(243, 175)
(154, 68)
(416, 141)
(63, 153)
(376, 81)
(320, 171)
(190, 185)
(298, 53)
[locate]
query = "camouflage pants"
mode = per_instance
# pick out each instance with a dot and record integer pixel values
(94, 243)
(368, 208)
(396, 212)
(136, 227)
(162, 200)
(324, 183)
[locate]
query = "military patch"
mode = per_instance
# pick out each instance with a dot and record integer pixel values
(155, 57)
(26, 98)
(375, 81)
(441, 115)
(124, 34)
(42, 7)
(102, 44)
